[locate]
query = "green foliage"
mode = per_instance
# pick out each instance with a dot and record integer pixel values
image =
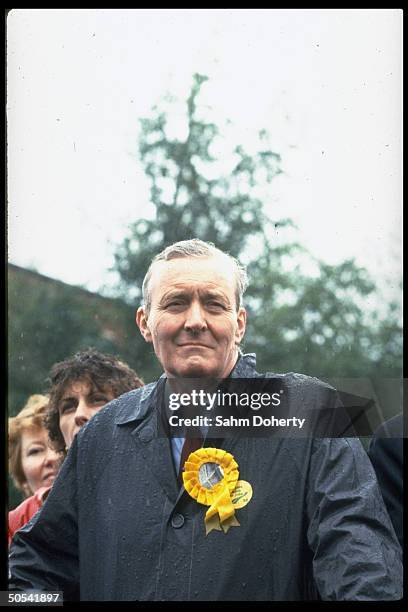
(323, 331)
(313, 324)
(44, 328)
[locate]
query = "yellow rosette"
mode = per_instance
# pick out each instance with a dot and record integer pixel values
(221, 513)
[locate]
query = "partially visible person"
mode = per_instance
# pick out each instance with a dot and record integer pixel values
(78, 388)
(33, 463)
(386, 454)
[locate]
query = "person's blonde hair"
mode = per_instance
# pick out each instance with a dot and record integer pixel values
(30, 418)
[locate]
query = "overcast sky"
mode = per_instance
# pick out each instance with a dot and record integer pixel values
(325, 83)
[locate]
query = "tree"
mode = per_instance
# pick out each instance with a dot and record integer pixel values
(314, 324)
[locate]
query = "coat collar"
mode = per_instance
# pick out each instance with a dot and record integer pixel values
(245, 367)
(136, 404)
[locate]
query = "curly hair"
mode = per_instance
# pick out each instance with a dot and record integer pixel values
(100, 370)
(30, 418)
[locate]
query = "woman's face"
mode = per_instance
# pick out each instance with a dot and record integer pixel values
(39, 462)
(79, 403)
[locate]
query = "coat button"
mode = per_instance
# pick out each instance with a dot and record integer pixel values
(177, 521)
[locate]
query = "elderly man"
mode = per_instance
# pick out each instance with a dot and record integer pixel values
(309, 522)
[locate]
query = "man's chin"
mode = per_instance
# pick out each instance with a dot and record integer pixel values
(194, 368)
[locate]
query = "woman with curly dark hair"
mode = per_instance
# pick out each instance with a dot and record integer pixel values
(78, 388)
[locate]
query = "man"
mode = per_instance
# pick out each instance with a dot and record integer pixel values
(78, 388)
(315, 527)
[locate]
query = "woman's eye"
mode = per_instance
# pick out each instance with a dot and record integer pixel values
(35, 450)
(99, 399)
(65, 408)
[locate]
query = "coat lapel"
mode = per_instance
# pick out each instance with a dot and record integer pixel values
(150, 439)
(156, 452)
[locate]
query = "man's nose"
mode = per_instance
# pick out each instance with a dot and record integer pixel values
(82, 413)
(195, 318)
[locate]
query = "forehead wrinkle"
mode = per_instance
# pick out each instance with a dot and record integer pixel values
(192, 283)
(189, 266)
(176, 275)
(189, 292)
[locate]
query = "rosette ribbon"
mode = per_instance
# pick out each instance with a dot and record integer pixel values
(221, 513)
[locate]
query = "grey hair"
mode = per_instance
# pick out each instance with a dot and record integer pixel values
(195, 248)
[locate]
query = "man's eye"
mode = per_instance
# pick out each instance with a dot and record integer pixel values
(174, 304)
(214, 304)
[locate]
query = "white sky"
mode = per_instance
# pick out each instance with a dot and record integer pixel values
(325, 83)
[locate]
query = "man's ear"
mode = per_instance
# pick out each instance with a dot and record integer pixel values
(141, 322)
(241, 321)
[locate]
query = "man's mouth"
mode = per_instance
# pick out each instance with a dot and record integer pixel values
(195, 344)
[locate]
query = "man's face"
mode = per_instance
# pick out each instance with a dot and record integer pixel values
(79, 402)
(193, 322)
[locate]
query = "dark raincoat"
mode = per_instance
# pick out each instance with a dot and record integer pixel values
(116, 525)
(387, 456)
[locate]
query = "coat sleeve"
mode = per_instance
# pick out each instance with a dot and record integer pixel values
(356, 555)
(44, 553)
(386, 454)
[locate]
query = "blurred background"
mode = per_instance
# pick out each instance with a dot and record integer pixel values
(275, 134)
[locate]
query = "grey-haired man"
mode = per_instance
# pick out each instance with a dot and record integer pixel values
(118, 525)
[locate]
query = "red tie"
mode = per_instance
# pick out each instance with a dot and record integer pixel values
(190, 445)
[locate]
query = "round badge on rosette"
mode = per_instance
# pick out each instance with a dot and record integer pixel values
(210, 477)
